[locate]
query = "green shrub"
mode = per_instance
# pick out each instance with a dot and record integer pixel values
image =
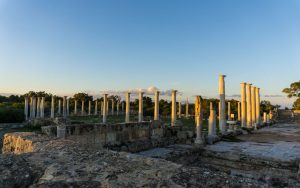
(11, 115)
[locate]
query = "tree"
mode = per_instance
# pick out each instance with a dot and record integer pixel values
(266, 106)
(297, 104)
(293, 90)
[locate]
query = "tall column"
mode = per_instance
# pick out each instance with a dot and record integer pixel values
(107, 107)
(249, 105)
(253, 106)
(34, 107)
(222, 115)
(42, 110)
(141, 106)
(104, 107)
(96, 107)
(118, 107)
(31, 107)
(198, 117)
(187, 108)
(239, 111)
(127, 117)
(68, 106)
(26, 108)
(65, 107)
(38, 107)
(59, 106)
(90, 107)
(257, 106)
(52, 106)
(212, 121)
(179, 109)
(82, 107)
(229, 111)
(173, 121)
(156, 105)
(75, 107)
(243, 105)
(112, 107)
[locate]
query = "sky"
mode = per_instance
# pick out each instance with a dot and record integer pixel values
(69, 46)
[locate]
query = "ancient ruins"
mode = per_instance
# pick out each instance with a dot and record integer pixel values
(247, 149)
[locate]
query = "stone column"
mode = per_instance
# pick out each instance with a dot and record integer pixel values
(59, 107)
(82, 107)
(187, 108)
(222, 114)
(198, 117)
(38, 105)
(65, 107)
(122, 107)
(75, 107)
(42, 110)
(107, 107)
(239, 111)
(212, 121)
(179, 109)
(141, 106)
(229, 111)
(68, 106)
(265, 117)
(249, 105)
(103, 106)
(268, 118)
(31, 107)
(243, 105)
(90, 107)
(156, 105)
(96, 107)
(112, 107)
(34, 107)
(173, 120)
(127, 116)
(52, 106)
(257, 106)
(26, 108)
(253, 106)
(118, 107)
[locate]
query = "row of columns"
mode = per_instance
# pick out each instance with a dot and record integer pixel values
(34, 107)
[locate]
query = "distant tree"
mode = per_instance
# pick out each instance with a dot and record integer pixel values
(293, 90)
(266, 106)
(296, 104)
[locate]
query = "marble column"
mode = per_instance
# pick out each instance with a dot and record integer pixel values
(229, 110)
(173, 120)
(68, 106)
(265, 117)
(26, 108)
(156, 105)
(198, 117)
(112, 107)
(179, 109)
(52, 107)
(82, 107)
(257, 106)
(249, 105)
(90, 108)
(212, 121)
(65, 107)
(239, 111)
(38, 107)
(118, 107)
(96, 107)
(59, 106)
(127, 116)
(107, 107)
(75, 107)
(243, 105)
(34, 107)
(187, 108)
(42, 110)
(141, 106)
(103, 106)
(253, 106)
(222, 114)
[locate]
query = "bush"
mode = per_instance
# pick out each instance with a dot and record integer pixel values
(11, 115)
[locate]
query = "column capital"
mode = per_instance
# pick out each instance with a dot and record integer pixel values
(222, 76)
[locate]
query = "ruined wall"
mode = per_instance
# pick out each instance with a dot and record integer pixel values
(17, 143)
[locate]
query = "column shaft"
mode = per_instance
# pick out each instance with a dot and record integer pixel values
(141, 106)
(156, 106)
(52, 107)
(222, 114)
(173, 121)
(249, 106)
(243, 105)
(257, 106)
(127, 116)
(253, 106)
(103, 107)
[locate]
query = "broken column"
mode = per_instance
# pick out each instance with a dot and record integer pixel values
(82, 107)
(243, 105)
(59, 107)
(38, 105)
(173, 120)
(257, 106)
(127, 116)
(68, 106)
(75, 107)
(52, 107)
(90, 108)
(156, 105)
(112, 106)
(96, 107)
(239, 111)
(187, 108)
(253, 106)
(212, 121)
(26, 108)
(141, 106)
(103, 106)
(249, 105)
(198, 117)
(229, 111)
(222, 114)
(265, 117)
(65, 107)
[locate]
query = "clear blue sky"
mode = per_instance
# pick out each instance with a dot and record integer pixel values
(65, 46)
